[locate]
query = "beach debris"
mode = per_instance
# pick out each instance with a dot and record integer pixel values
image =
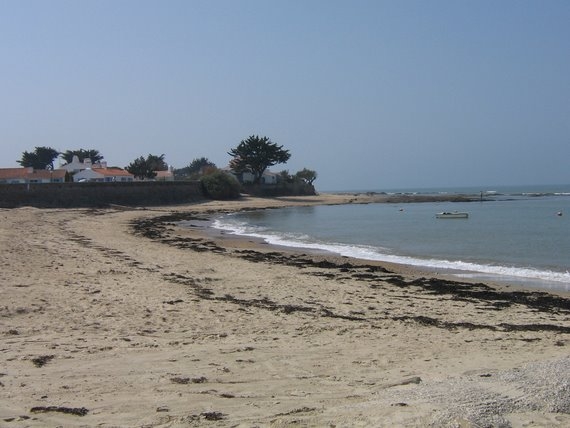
(187, 380)
(42, 360)
(18, 419)
(209, 416)
(173, 302)
(77, 411)
(212, 416)
(408, 381)
(180, 380)
(304, 409)
(241, 349)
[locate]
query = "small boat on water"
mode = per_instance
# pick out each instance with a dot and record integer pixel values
(452, 214)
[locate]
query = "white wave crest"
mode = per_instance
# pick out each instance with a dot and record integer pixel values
(464, 269)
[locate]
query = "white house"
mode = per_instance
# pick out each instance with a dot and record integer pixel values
(75, 165)
(103, 175)
(167, 175)
(267, 177)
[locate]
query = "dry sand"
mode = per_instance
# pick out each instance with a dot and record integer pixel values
(117, 318)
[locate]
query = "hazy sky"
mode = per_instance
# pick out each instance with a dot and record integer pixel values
(370, 94)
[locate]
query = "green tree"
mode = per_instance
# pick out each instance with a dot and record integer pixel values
(285, 177)
(307, 175)
(40, 158)
(142, 169)
(157, 163)
(255, 155)
(82, 154)
(198, 164)
(220, 185)
(196, 168)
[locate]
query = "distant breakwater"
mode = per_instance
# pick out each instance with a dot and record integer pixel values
(93, 195)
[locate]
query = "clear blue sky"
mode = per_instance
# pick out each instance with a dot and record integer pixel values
(370, 94)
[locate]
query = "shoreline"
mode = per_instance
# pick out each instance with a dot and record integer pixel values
(117, 317)
(257, 249)
(496, 280)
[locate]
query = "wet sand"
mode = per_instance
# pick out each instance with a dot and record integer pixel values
(119, 317)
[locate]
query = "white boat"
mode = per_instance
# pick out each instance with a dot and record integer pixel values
(452, 214)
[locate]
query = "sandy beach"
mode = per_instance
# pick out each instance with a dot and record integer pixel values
(120, 318)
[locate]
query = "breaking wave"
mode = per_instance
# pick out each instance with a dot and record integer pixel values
(524, 275)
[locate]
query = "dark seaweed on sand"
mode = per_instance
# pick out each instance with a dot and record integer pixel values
(375, 276)
(77, 411)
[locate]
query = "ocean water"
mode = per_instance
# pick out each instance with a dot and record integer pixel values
(515, 235)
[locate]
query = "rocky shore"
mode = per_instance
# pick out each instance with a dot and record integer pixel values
(120, 317)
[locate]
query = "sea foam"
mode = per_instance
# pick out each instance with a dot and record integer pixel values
(524, 275)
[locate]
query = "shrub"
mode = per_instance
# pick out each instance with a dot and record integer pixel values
(220, 185)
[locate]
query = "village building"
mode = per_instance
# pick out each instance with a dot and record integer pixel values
(167, 175)
(30, 175)
(103, 175)
(95, 172)
(268, 177)
(76, 165)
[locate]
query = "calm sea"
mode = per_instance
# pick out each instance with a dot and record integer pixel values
(515, 235)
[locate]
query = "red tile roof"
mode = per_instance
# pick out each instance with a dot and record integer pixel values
(30, 174)
(12, 173)
(112, 172)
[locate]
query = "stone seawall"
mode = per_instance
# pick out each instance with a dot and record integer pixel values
(78, 195)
